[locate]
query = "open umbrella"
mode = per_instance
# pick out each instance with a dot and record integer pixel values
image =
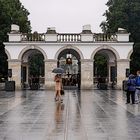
(58, 70)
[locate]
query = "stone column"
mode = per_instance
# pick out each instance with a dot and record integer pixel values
(50, 64)
(15, 65)
(122, 65)
(86, 74)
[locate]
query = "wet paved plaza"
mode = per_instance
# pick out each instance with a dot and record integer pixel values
(83, 115)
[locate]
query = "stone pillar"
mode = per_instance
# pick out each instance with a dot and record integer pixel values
(122, 65)
(86, 74)
(50, 64)
(86, 35)
(15, 34)
(51, 35)
(122, 35)
(15, 65)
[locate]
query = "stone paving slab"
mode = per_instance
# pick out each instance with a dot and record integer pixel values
(83, 115)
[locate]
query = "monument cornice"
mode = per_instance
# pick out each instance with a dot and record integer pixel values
(69, 43)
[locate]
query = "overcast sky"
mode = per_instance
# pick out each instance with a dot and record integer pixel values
(65, 15)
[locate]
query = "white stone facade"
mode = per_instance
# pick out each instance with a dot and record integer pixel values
(52, 44)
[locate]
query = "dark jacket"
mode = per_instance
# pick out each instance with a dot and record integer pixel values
(131, 83)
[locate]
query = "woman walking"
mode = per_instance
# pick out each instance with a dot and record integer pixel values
(58, 85)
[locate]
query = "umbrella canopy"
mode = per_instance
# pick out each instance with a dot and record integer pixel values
(58, 70)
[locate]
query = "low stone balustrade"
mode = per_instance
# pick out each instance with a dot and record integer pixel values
(105, 37)
(33, 37)
(52, 36)
(69, 38)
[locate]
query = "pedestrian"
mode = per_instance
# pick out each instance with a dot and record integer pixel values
(131, 84)
(137, 93)
(58, 85)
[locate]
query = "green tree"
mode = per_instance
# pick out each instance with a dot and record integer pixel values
(135, 59)
(125, 14)
(36, 65)
(11, 12)
(100, 65)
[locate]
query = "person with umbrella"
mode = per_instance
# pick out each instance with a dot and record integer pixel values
(58, 86)
(58, 83)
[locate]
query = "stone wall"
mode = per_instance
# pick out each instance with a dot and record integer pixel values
(15, 65)
(49, 76)
(86, 74)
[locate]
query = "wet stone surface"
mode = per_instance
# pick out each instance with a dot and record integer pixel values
(83, 115)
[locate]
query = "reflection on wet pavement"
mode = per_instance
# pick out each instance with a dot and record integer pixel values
(83, 115)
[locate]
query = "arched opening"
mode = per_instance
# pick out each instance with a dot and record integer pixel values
(32, 69)
(105, 68)
(69, 60)
(3, 67)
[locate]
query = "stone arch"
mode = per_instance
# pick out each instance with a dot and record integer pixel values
(32, 47)
(28, 76)
(129, 54)
(105, 48)
(8, 54)
(110, 72)
(69, 47)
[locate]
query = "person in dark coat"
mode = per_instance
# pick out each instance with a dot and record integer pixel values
(137, 92)
(131, 83)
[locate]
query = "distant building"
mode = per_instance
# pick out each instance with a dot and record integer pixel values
(81, 48)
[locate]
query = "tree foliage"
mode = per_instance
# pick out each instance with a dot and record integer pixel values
(100, 65)
(36, 65)
(11, 12)
(135, 59)
(125, 14)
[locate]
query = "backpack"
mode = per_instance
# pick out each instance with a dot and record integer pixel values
(131, 84)
(138, 81)
(125, 85)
